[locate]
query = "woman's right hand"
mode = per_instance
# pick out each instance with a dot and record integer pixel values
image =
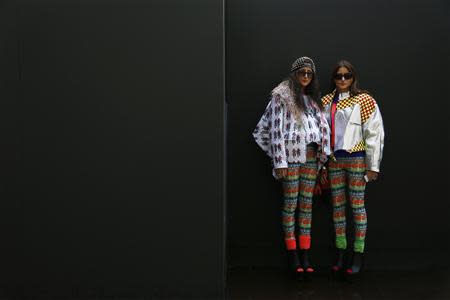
(281, 172)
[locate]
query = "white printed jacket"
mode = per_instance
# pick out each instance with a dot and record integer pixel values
(283, 123)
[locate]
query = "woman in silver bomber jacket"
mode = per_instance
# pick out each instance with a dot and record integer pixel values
(357, 140)
(294, 133)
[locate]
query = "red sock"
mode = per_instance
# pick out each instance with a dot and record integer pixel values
(304, 241)
(290, 244)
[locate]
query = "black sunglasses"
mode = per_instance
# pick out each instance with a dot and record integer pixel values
(306, 73)
(341, 76)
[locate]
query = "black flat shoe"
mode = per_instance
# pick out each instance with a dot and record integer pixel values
(308, 269)
(304, 261)
(356, 265)
(339, 261)
(353, 272)
(294, 265)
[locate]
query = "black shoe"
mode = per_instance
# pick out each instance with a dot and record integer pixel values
(339, 261)
(356, 265)
(294, 262)
(304, 261)
(308, 270)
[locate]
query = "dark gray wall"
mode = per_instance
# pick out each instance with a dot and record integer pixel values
(401, 50)
(112, 148)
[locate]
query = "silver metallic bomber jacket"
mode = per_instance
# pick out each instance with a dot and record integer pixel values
(359, 118)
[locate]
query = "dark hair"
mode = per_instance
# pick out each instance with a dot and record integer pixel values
(312, 90)
(354, 87)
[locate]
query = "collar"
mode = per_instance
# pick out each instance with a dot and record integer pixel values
(344, 95)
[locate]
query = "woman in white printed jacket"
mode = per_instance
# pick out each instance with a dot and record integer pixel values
(357, 140)
(294, 133)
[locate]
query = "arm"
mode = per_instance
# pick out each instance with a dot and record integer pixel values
(325, 147)
(373, 134)
(276, 134)
(262, 132)
(269, 136)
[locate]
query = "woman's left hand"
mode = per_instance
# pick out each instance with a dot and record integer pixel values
(323, 176)
(372, 175)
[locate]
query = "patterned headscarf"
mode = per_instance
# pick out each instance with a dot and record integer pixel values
(301, 62)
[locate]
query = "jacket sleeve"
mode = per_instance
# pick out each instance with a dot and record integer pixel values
(373, 133)
(268, 133)
(324, 149)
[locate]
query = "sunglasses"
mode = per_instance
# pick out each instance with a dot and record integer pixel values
(306, 73)
(341, 76)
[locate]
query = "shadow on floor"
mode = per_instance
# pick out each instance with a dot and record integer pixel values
(273, 283)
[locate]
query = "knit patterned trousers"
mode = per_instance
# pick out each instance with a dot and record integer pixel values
(348, 172)
(298, 188)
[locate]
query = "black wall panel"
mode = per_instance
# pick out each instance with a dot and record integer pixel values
(112, 148)
(401, 50)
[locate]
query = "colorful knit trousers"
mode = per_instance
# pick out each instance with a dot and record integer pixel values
(298, 188)
(348, 173)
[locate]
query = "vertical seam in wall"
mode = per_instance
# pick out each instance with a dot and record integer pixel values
(19, 46)
(224, 158)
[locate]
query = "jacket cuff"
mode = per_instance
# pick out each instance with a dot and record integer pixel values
(372, 167)
(280, 165)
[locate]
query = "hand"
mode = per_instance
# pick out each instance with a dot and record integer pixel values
(281, 172)
(323, 176)
(372, 175)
